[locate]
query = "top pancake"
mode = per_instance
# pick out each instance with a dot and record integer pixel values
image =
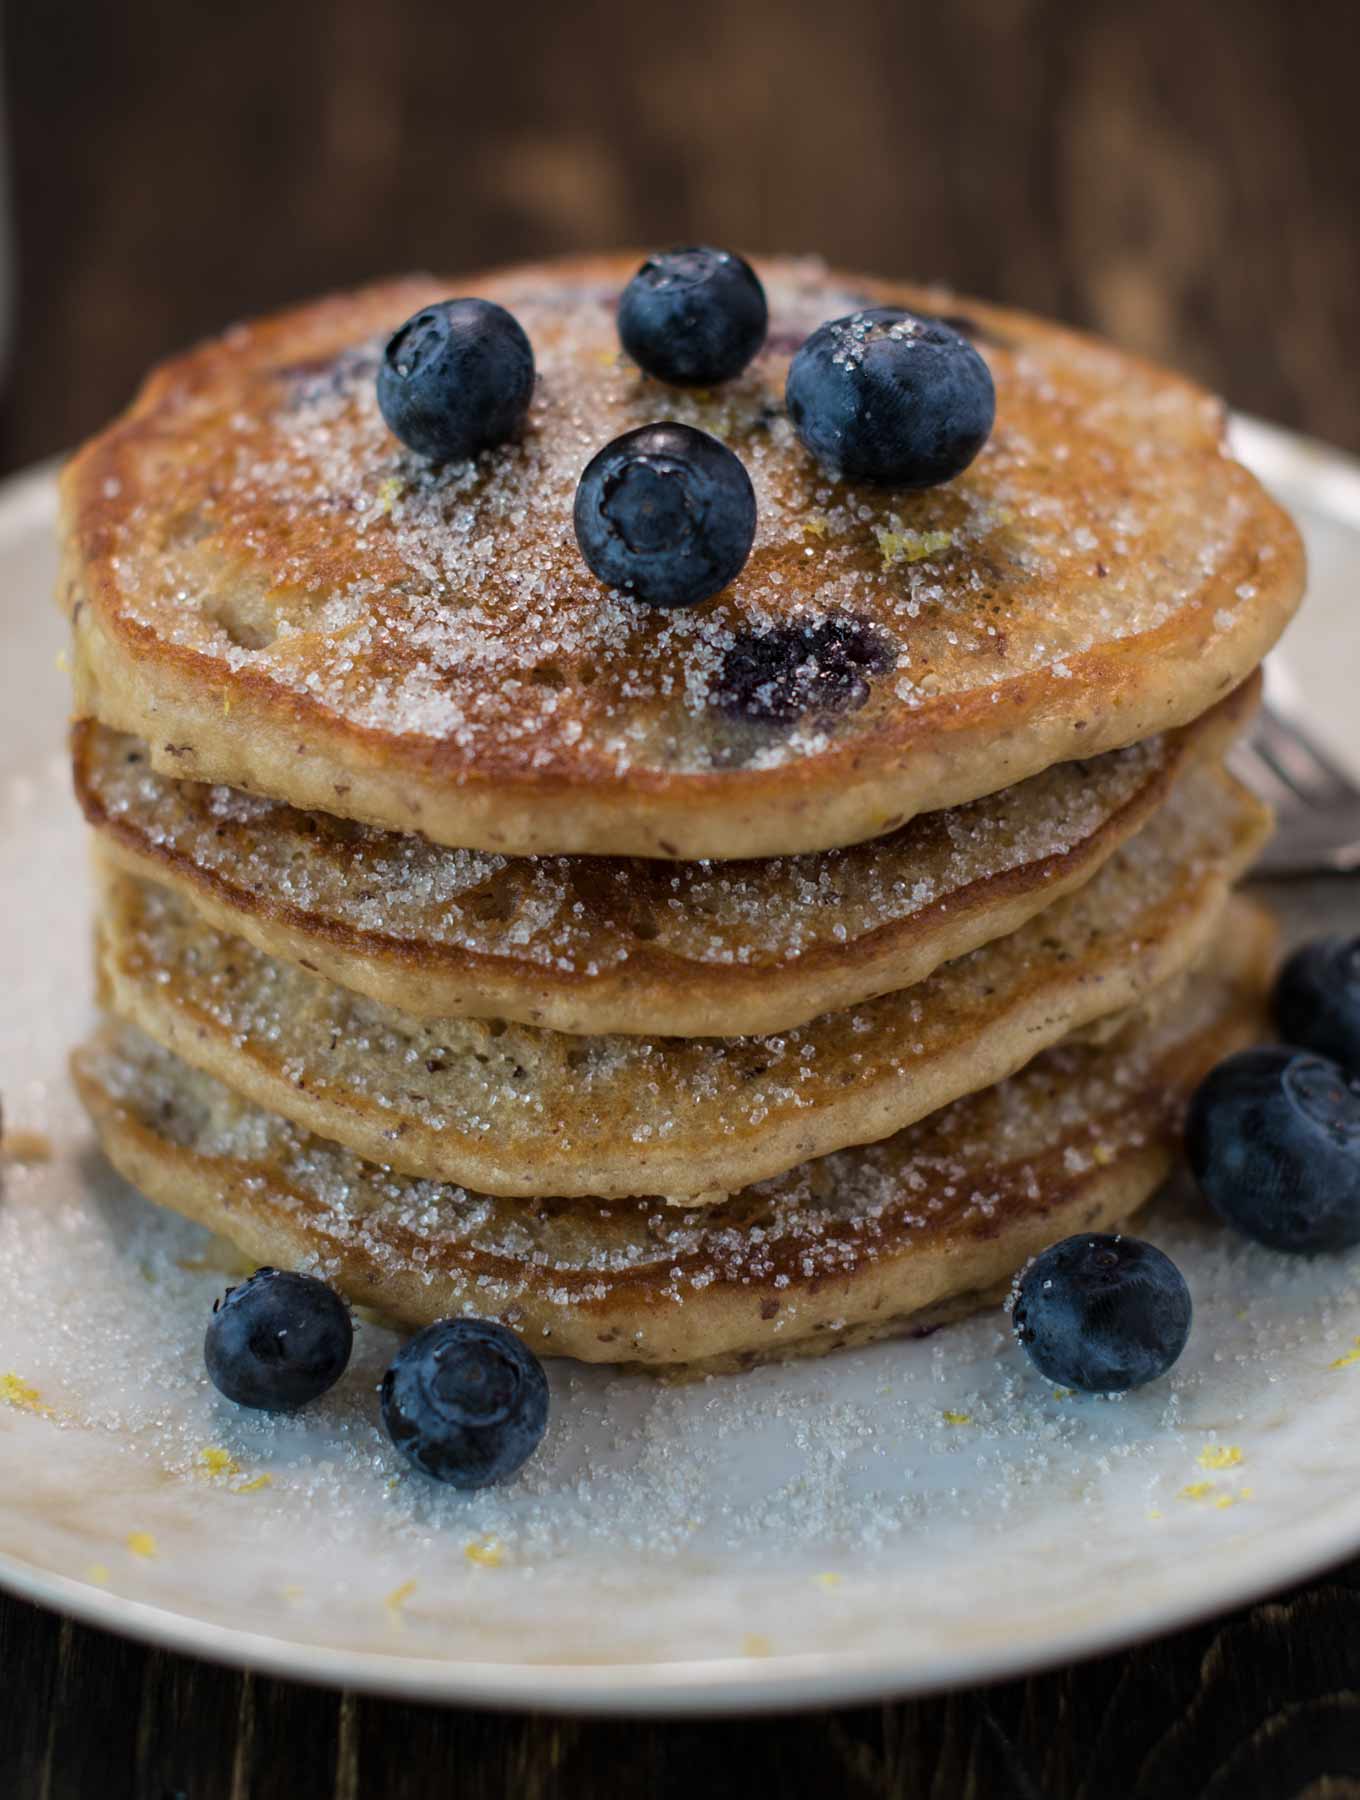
(275, 594)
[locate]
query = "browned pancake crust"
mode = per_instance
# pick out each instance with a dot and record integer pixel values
(867, 1243)
(588, 945)
(274, 595)
(512, 1109)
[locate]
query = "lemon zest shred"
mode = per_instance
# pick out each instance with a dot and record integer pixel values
(1196, 1490)
(817, 524)
(399, 1596)
(141, 1543)
(485, 1554)
(910, 546)
(217, 1461)
(254, 1487)
(1351, 1356)
(98, 1573)
(1219, 1456)
(828, 1579)
(754, 1644)
(22, 1395)
(957, 1418)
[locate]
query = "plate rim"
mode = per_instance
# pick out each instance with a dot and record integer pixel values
(695, 1687)
(731, 1684)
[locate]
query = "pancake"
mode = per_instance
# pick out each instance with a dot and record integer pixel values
(510, 1109)
(590, 945)
(274, 594)
(869, 1243)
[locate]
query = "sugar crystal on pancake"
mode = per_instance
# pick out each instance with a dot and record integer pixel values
(682, 988)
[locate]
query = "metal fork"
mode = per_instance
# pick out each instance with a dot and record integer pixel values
(1316, 803)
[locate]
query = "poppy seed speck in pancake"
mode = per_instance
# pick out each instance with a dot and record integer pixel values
(273, 593)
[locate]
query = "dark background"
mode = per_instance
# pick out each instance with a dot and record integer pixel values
(1181, 175)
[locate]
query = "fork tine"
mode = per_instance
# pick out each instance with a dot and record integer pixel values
(1298, 761)
(1311, 840)
(1247, 763)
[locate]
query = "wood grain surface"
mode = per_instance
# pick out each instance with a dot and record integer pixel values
(1258, 1706)
(1182, 176)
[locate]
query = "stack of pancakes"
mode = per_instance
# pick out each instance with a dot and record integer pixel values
(678, 987)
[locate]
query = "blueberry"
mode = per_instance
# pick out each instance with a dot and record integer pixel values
(277, 1340)
(693, 317)
(466, 1401)
(456, 378)
(888, 397)
(666, 513)
(1102, 1313)
(775, 677)
(1273, 1137)
(1317, 999)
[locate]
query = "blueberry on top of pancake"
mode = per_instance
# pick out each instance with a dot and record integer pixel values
(456, 378)
(693, 317)
(887, 397)
(666, 514)
(277, 594)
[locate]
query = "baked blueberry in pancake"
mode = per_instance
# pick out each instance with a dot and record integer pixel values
(628, 944)
(274, 592)
(676, 811)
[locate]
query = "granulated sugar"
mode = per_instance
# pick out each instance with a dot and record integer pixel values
(891, 1502)
(305, 545)
(107, 1299)
(523, 1110)
(581, 915)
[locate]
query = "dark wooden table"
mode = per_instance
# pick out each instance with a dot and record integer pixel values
(1181, 175)
(1258, 1706)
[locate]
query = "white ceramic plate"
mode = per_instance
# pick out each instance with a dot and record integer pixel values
(882, 1522)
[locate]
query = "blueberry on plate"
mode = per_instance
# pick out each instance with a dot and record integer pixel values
(278, 1340)
(667, 514)
(466, 1401)
(1102, 1313)
(1317, 999)
(889, 397)
(456, 378)
(1273, 1137)
(693, 317)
